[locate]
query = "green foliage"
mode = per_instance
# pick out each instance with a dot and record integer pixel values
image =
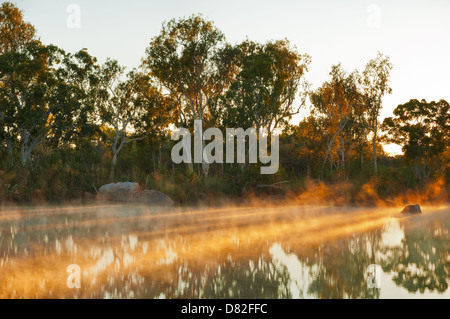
(423, 130)
(263, 93)
(65, 119)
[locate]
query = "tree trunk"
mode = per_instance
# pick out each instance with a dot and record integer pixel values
(375, 165)
(10, 154)
(331, 163)
(362, 158)
(307, 167)
(205, 165)
(113, 166)
(159, 157)
(424, 171)
(154, 162)
(24, 155)
(342, 152)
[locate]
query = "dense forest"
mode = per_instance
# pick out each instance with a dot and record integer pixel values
(69, 124)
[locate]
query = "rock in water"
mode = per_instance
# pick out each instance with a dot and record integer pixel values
(118, 192)
(412, 209)
(152, 197)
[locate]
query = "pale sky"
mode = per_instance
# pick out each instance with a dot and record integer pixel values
(415, 34)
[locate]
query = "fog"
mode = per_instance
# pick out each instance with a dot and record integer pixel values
(127, 251)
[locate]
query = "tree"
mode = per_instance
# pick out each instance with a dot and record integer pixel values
(336, 101)
(264, 92)
(358, 126)
(375, 82)
(192, 61)
(43, 90)
(133, 107)
(77, 79)
(423, 130)
(311, 142)
(41, 96)
(15, 33)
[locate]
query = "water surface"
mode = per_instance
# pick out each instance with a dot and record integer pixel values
(236, 252)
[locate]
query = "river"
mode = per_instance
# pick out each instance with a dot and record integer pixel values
(123, 251)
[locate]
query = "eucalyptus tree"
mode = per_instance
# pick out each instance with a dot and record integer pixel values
(311, 142)
(375, 82)
(335, 103)
(77, 81)
(15, 33)
(44, 91)
(264, 94)
(194, 64)
(133, 106)
(41, 96)
(423, 130)
(358, 127)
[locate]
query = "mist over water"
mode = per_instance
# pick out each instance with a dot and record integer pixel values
(229, 252)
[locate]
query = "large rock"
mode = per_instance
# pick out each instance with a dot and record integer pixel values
(152, 197)
(412, 209)
(118, 192)
(79, 195)
(131, 193)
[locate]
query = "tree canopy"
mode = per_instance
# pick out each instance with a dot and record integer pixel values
(91, 123)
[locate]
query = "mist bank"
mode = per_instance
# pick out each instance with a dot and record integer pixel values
(213, 192)
(231, 252)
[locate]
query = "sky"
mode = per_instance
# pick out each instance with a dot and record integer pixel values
(414, 34)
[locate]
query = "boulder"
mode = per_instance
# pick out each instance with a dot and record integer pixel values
(127, 192)
(412, 209)
(118, 192)
(152, 197)
(82, 196)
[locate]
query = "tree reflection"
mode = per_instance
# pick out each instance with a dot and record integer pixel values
(255, 278)
(263, 279)
(422, 261)
(140, 267)
(340, 267)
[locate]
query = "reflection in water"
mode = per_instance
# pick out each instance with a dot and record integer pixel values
(246, 252)
(422, 262)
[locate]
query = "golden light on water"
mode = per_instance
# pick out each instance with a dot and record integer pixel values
(121, 248)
